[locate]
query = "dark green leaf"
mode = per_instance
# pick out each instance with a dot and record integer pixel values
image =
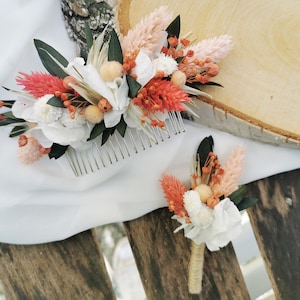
(54, 101)
(105, 136)
(18, 130)
(246, 203)
(114, 48)
(214, 84)
(8, 103)
(199, 85)
(54, 53)
(121, 127)
(174, 28)
(205, 147)
(89, 36)
(10, 115)
(83, 54)
(179, 59)
(97, 130)
(8, 118)
(57, 151)
(48, 56)
(133, 85)
(237, 196)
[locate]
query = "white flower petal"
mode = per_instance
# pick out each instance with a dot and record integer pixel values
(75, 68)
(62, 135)
(225, 222)
(23, 108)
(144, 69)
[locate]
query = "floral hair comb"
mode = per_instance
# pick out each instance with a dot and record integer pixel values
(209, 211)
(122, 95)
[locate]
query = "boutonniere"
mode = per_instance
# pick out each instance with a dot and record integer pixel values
(209, 209)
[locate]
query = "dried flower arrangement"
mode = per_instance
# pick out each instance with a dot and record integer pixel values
(208, 211)
(122, 82)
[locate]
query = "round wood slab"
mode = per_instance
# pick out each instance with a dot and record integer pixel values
(261, 94)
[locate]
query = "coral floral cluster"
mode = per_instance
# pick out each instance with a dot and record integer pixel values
(202, 181)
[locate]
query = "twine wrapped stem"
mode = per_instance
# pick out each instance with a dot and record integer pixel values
(196, 268)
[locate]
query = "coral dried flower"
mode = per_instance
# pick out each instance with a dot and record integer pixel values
(160, 95)
(40, 84)
(174, 191)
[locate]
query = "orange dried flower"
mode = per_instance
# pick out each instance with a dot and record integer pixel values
(174, 190)
(160, 95)
(40, 84)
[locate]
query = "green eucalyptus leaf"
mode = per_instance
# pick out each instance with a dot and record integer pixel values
(18, 130)
(49, 57)
(114, 48)
(237, 196)
(89, 36)
(97, 130)
(205, 147)
(54, 101)
(246, 203)
(57, 151)
(174, 28)
(121, 127)
(133, 85)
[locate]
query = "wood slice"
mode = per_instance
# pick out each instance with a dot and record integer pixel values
(260, 98)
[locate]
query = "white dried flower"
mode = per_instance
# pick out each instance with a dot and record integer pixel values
(165, 63)
(46, 113)
(225, 226)
(200, 214)
(73, 120)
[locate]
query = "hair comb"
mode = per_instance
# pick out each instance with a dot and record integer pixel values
(122, 95)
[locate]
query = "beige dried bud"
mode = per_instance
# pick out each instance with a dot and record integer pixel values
(93, 114)
(178, 78)
(204, 192)
(111, 70)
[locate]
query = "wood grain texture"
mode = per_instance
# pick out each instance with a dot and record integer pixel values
(275, 221)
(260, 76)
(70, 269)
(162, 258)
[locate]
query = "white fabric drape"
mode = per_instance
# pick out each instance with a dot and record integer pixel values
(45, 202)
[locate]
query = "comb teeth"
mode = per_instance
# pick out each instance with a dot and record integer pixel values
(118, 148)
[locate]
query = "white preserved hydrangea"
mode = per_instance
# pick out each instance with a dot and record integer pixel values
(46, 113)
(165, 63)
(74, 120)
(200, 214)
(217, 229)
(51, 124)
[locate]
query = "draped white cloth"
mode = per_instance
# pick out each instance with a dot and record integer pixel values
(45, 202)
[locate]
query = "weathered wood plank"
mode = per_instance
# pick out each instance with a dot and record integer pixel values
(70, 269)
(275, 220)
(162, 258)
